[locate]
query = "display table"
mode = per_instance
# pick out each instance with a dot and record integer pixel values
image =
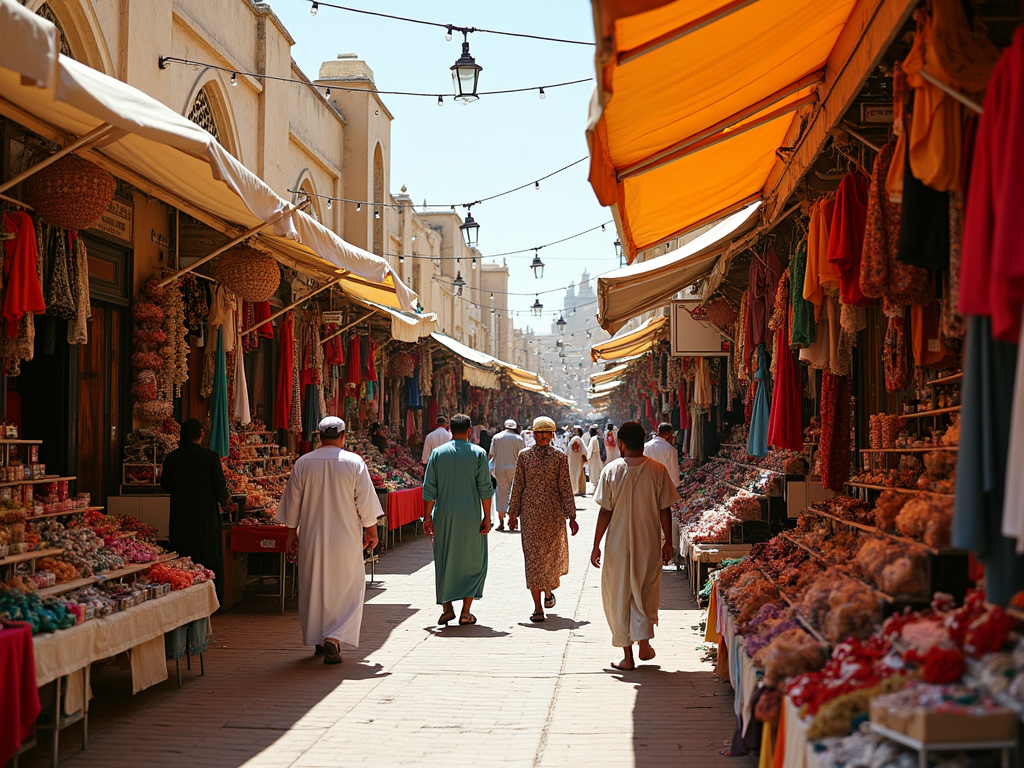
(262, 538)
(701, 558)
(18, 690)
(404, 507)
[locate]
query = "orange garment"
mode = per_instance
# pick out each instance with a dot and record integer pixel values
(820, 274)
(779, 753)
(926, 343)
(765, 759)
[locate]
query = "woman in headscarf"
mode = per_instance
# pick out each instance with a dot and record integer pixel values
(542, 500)
(577, 452)
(595, 455)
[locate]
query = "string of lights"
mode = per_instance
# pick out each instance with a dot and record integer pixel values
(166, 61)
(455, 284)
(452, 206)
(441, 25)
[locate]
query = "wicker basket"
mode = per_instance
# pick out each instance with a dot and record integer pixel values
(248, 273)
(721, 312)
(71, 193)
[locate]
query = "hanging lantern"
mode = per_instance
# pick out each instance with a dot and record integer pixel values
(458, 284)
(470, 231)
(466, 74)
(250, 274)
(70, 193)
(561, 324)
(537, 265)
(537, 307)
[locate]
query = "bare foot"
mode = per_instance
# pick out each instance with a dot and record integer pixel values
(625, 665)
(646, 653)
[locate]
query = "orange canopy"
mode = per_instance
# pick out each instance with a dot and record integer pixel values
(703, 106)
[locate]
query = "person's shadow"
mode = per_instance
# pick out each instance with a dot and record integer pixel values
(470, 630)
(554, 623)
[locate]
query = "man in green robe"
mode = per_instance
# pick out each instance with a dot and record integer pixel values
(457, 491)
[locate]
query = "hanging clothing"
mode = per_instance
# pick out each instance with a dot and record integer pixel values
(1013, 503)
(757, 437)
(820, 274)
(834, 449)
(785, 422)
(283, 393)
(757, 302)
(330, 499)
(222, 315)
(412, 390)
(311, 413)
(802, 334)
(240, 408)
(78, 326)
(353, 363)
(992, 268)
(924, 224)
(846, 235)
(895, 360)
(21, 290)
(926, 341)
(219, 426)
(826, 336)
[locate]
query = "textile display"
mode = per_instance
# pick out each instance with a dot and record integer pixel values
(18, 690)
(757, 439)
(283, 393)
(219, 426)
(404, 507)
(257, 538)
(785, 422)
(22, 291)
(835, 430)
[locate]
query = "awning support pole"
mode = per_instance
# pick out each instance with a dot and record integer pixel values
(293, 305)
(350, 325)
(81, 142)
(286, 211)
(862, 139)
(967, 102)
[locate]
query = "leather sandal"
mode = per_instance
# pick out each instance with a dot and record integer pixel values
(332, 652)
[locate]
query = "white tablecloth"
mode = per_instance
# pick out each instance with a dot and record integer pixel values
(61, 653)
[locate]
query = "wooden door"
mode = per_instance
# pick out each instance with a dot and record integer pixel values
(100, 394)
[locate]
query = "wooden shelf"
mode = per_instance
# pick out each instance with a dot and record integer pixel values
(24, 557)
(748, 466)
(741, 489)
(12, 441)
(880, 532)
(954, 378)
(918, 491)
(120, 573)
(913, 449)
(932, 412)
(36, 482)
(45, 515)
(260, 460)
(267, 477)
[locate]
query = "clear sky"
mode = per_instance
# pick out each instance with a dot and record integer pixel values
(459, 153)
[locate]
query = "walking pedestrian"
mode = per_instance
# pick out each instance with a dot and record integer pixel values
(485, 438)
(439, 436)
(331, 510)
(661, 449)
(611, 444)
(194, 477)
(635, 495)
(505, 447)
(542, 500)
(577, 462)
(457, 485)
(596, 455)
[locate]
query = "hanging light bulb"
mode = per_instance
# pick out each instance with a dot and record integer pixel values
(542, 94)
(466, 74)
(473, 263)
(314, 8)
(359, 206)
(470, 230)
(401, 259)
(537, 265)
(536, 185)
(561, 324)
(234, 79)
(602, 227)
(492, 295)
(448, 35)
(537, 306)
(327, 93)
(328, 203)
(440, 100)
(458, 283)
(376, 214)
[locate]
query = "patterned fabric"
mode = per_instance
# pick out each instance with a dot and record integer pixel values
(542, 499)
(802, 334)
(835, 431)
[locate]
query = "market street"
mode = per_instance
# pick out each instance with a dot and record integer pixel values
(506, 692)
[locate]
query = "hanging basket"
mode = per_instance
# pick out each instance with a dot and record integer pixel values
(248, 273)
(71, 193)
(721, 313)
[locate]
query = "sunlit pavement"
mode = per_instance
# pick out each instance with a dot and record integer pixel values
(503, 693)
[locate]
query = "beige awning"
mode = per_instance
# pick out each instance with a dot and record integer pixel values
(478, 369)
(606, 388)
(525, 379)
(611, 374)
(633, 342)
(168, 156)
(643, 286)
(405, 326)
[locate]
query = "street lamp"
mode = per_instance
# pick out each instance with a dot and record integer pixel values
(537, 265)
(537, 306)
(466, 74)
(470, 230)
(618, 252)
(561, 324)
(458, 283)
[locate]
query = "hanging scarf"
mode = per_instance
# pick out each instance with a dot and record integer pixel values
(894, 355)
(835, 430)
(60, 301)
(757, 438)
(219, 428)
(283, 395)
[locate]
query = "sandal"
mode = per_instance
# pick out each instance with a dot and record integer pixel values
(332, 652)
(501, 526)
(447, 616)
(465, 621)
(537, 617)
(549, 601)
(318, 651)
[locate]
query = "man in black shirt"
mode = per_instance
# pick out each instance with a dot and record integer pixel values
(194, 478)
(485, 438)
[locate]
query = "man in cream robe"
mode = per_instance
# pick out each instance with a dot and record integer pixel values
(331, 510)
(635, 494)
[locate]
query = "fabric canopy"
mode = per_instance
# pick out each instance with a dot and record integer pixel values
(479, 370)
(405, 326)
(607, 387)
(610, 375)
(695, 98)
(633, 342)
(524, 379)
(168, 155)
(641, 287)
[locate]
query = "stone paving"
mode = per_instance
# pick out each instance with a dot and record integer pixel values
(504, 693)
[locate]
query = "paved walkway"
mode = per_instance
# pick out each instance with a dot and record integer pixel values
(503, 693)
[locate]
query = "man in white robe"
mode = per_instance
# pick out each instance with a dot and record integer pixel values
(661, 449)
(595, 462)
(635, 494)
(331, 510)
(611, 444)
(441, 435)
(505, 449)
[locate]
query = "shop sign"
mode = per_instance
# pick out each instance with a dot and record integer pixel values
(693, 336)
(876, 113)
(116, 221)
(334, 317)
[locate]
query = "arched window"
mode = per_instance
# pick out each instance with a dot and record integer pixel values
(314, 208)
(201, 114)
(46, 12)
(378, 198)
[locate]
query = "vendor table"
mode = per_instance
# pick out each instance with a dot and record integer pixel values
(702, 558)
(404, 507)
(18, 690)
(923, 748)
(263, 538)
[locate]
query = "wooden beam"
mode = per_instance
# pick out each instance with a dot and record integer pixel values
(350, 325)
(869, 31)
(291, 306)
(81, 142)
(682, 31)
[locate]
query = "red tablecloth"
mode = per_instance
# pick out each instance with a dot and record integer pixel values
(258, 538)
(18, 690)
(404, 507)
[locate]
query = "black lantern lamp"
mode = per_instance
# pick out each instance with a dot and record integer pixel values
(470, 230)
(618, 252)
(458, 283)
(537, 306)
(537, 265)
(466, 74)
(561, 324)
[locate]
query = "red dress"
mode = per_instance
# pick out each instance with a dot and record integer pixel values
(22, 292)
(846, 236)
(785, 422)
(283, 395)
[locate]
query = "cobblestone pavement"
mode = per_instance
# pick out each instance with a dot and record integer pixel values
(503, 693)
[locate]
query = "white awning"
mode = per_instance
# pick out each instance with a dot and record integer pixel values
(405, 326)
(643, 286)
(636, 341)
(164, 153)
(606, 388)
(479, 370)
(611, 374)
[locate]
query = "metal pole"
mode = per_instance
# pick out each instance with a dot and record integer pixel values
(967, 102)
(293, 305)
(339, 332)
(82, 141)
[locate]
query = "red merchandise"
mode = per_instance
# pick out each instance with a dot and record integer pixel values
(22, 292)
(835, 430)
(992, 256)
(261, 313)
(370, 363)
(846, 236)
(18, 690)
(352, 369)
(785, 421)
(333, 352)
(404, 507)
(258, 538)
(283, 395)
